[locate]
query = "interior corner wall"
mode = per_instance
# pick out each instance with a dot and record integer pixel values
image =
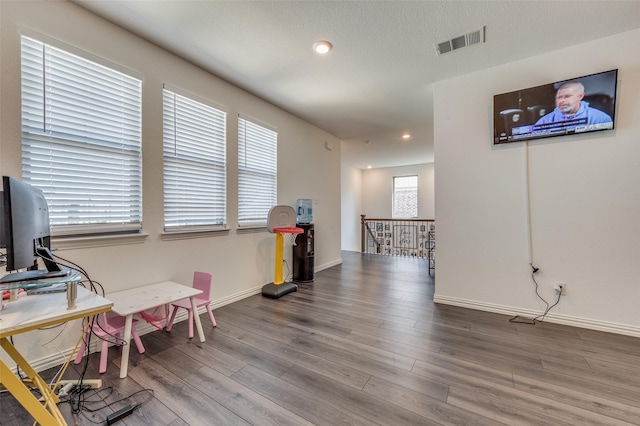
(240, 262)
(584, 197)
(377, 190)
(351, 208)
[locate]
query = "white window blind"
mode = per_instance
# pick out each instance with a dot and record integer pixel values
(81, 140)
(405, 197)
(195, 171)
(257, 172)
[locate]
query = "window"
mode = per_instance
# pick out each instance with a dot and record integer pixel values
(257, 172)
(405, 197)
(81, 140)
(195, 188)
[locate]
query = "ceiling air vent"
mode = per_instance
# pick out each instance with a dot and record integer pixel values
(469, 39)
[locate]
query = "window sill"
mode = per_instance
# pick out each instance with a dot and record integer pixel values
(69, 243)
(184, 235)
(252, 230)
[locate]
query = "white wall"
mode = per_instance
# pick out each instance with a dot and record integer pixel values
(377, 190)
(240, 263)
(584, 197)
(351, 208)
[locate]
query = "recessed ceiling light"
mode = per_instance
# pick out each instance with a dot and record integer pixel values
(368, 167)
(322, 47)
(406, 136)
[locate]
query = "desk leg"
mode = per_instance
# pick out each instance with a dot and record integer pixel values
(196, 318)
(124, 363)
(72, 295)
(22, 393)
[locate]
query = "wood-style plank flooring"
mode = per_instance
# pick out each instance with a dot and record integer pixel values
(364, 344)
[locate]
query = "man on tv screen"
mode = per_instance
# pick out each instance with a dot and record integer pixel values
(571, 110)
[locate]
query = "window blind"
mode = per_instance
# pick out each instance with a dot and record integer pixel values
(194, 136)
(405, 197)
(257, 172)
(81, 140)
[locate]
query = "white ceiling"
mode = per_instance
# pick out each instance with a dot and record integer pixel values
(377, 82)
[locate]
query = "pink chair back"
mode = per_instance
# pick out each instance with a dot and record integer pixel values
(202, 281)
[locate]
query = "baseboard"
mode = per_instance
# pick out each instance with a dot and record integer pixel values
(590, 324)
(328, 265)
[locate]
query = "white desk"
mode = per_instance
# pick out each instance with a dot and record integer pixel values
(30, 313)
(126, 303)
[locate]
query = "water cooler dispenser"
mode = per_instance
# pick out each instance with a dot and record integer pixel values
(303, 254)
(303, 251)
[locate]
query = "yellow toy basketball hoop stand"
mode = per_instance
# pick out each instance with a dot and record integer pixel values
(282, 220)
(280, 232)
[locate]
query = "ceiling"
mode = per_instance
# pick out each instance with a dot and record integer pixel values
(377, 82)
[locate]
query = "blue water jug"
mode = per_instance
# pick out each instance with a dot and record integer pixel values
(305, 214)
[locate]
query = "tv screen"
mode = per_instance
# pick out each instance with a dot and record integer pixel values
(577, 105)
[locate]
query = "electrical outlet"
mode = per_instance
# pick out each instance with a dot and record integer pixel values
(560, 288)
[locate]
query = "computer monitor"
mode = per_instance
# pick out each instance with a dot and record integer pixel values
(26, 233)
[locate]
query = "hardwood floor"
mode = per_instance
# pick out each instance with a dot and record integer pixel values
(365, 345)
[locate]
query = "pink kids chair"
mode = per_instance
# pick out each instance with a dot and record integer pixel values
(201, 281)
(108, 329)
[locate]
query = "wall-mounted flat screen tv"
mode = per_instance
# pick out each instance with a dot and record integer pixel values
(578, 105)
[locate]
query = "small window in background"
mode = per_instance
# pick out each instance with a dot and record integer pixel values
(405, 197)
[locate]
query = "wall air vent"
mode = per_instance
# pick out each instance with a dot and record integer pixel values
(469, 39)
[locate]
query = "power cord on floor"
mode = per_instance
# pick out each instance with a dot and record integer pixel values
(77, 399)
(288, 276)
(88, 397)
(540, 318)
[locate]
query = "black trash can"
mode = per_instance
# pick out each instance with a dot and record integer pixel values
(303, 254)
